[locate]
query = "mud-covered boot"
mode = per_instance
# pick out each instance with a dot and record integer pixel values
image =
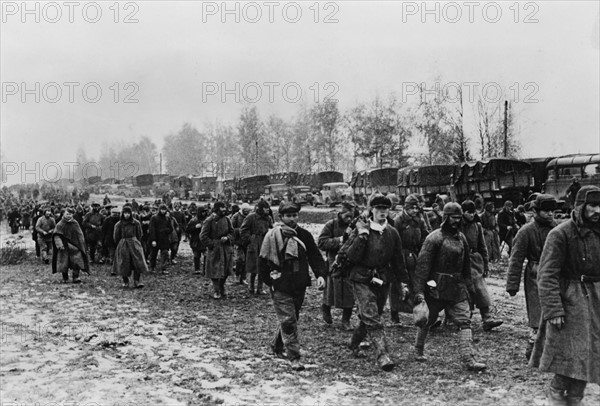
(420, 344)
(197, 265)
(488, 321)
(395, 317)
(383, 357)
(360, 332)
(556, 397)
(467, 358)
(346, 315)
(326, 313)
(575, 393)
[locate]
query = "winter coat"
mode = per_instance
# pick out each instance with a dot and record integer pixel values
(179, 216)
(572, 249)
(92, 226)
(108, 230)
(47, 225)
(159, 230)
(295, 277)
(129, 253)
(445, 258)
(478, 257)
(506, 219)
(219, 255)
(193, 233)
(490, 233)
(236, 221)
(338, 289)
(75, 251)
(528, 244)
(377, 254)
(252, 233)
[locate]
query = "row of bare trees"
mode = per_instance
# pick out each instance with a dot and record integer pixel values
(381, 133)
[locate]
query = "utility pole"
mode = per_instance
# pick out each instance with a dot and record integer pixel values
(505, 128)
(160, 164)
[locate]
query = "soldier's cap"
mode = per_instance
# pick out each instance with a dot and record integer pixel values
(163, 207)
(95, 204)
(348, 206)
(262, 204)
(588, 194)
(545, 202)
(286, 207)
(70, 210)
(245, 206)
(468, 206)
(218, 205)
(377, 200)
(114, 210)
(452, 209)
(411, 200)
(127, 209)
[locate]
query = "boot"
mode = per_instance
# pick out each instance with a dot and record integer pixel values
(575, 392)
(395, 317)
(360, 332)
(259, 287)
(251, 284)
(529, 349)
(196, 265)
(575, 401)
(488, 321)
(346, 315)
(125, 282)
(383, 358)
(420, 344)
(556, 397)
(326, 313)
(467, 357)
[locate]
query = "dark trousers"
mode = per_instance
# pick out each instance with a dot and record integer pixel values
(92, 245)
(164, 257)
(174, 249)
(287, 308)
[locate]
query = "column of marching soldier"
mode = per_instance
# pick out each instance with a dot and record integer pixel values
(440, 258)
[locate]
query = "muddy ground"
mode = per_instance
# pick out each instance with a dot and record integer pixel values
(172, 344)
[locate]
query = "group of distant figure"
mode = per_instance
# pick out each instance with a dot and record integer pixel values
(434, 260)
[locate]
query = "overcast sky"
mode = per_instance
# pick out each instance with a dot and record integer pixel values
(177, 50)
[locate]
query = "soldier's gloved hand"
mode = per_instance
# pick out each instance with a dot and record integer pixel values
(154, 243)
(362, 227)
(224, 239)
(419, 298)
(320, 283)
(59, 245)
(512, 292)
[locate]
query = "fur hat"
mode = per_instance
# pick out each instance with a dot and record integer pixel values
(468, 205)
(379, 200)
(411, 200)
(452, 209)
(588, 194)
(288, 207)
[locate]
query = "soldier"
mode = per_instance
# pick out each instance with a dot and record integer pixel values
(108, 242)
(159, 232)
(478, 257)
(444, 258)
(569, 289)
(217, 236)
(287, 251)
(376, 255)
(253, 230)
(239, 253)
(69, 248)
(92, 226)
(528, 244)
(194, 227)
(507, 224)
(490, 232)
(338, 290)
(412, 230)
(179, 217)
(129, 253)
(44, 228)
